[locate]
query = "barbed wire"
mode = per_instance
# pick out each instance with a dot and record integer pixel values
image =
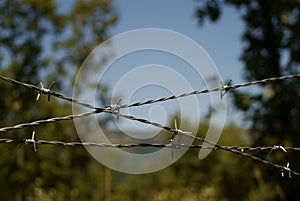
(240, 150)
(114, 110)
(223, 88)
(48, 91)
(44, 121)
(158, 145)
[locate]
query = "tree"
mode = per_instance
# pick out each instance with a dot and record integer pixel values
(45, 41)
(271, 46)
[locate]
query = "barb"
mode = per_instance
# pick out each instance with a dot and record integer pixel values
(226, 88)
(45, 91)
(32, 140)
(288, 169)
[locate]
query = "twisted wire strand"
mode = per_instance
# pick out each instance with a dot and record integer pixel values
(130, 145)
(232, 149)
(49, 92)
(91, 144)
(222, 88)
(71, 117)
(44, 121)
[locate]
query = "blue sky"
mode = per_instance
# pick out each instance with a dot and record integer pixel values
(221, 40)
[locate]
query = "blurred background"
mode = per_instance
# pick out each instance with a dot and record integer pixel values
(248, 40)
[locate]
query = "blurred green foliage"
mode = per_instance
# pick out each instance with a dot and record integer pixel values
(220, 176)
(271, 46)
(45, 41)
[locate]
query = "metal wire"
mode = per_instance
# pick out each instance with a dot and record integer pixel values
(114, 109)
(42, 90)
(159, 145)
(222, 88)
(44, 121)
(111, 109)
(240, 150)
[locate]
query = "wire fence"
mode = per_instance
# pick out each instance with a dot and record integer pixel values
(114, 109)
